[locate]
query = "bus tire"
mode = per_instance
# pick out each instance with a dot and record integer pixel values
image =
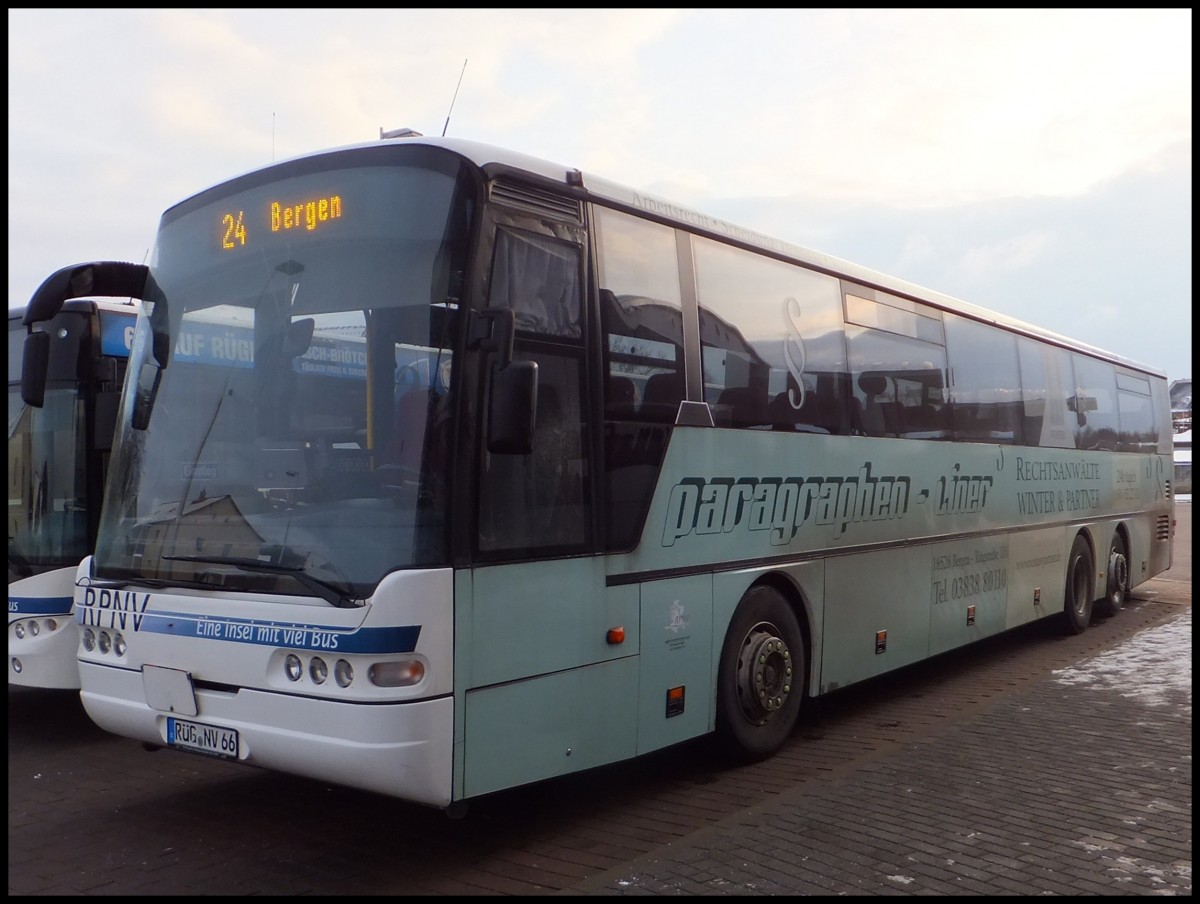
(761, 676)
(1117, 587)
(1079, 594)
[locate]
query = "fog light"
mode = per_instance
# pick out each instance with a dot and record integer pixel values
(16, 664)
(89, 639)
(19, 630)
(105, 642)
(292, 667)
(343, 673)
(396, 674)
(318, 670)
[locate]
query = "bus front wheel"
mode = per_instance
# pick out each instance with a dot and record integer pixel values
(761, 676)
(1077, 606)
(1117, 588)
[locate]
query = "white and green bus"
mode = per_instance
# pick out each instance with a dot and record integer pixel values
(441, 469)
(60, 432)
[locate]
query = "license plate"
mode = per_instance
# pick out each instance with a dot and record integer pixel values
(210, 739)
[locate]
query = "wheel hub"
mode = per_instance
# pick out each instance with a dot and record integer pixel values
(1118, 575)
(764, 679)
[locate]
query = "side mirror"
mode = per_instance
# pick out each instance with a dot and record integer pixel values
(35, 361)
(512, 402)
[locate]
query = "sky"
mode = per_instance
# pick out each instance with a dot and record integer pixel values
(1035, 162)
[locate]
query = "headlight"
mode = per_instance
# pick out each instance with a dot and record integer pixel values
(292, 667)
(318, 670)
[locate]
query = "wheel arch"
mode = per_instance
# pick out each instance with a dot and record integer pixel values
(799, 601)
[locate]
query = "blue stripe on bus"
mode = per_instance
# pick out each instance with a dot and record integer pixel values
(39, 605)
(393, 639)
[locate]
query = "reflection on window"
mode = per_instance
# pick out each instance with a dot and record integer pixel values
(771, 342)
(985, 396)
(641, 319)
(1047, 378)
(899, 385)
(1095, 404)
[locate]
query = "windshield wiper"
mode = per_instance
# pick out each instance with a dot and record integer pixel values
(328, 591)
(118, 583)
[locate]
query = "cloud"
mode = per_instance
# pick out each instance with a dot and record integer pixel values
(1012, 254)
(1029, 160)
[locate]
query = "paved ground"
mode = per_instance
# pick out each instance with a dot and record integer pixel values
(1060, 790)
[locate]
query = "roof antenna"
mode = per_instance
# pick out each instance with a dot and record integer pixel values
(453, 99)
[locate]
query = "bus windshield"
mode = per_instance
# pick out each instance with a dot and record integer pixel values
(298, 436)
(47, 486)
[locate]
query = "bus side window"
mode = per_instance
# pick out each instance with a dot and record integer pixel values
(531, 504)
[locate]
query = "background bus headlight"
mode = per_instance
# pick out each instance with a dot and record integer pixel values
(343, 673)
(89, 639)
(292, 667)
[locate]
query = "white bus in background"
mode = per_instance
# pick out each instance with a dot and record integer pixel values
(654, 476)
(1183, 463)
(59, 442)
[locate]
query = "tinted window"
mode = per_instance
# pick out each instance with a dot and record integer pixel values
(771, 339)
(1095, 404)
(985, 381)
(1046, 380)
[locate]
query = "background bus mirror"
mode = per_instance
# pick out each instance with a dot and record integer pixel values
(144, 392)
(511, 406)
(34, 364)
(298, 338)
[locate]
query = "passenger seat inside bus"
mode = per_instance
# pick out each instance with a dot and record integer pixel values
(817, 414)
(878, 418)
(741, 406)
(661, 397)
(620, 400)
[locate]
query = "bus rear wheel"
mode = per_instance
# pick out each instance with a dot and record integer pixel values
(1117, 588)
(760, 680)
(1077, 605)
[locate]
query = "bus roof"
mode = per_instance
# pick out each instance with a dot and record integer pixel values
(491, 158)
